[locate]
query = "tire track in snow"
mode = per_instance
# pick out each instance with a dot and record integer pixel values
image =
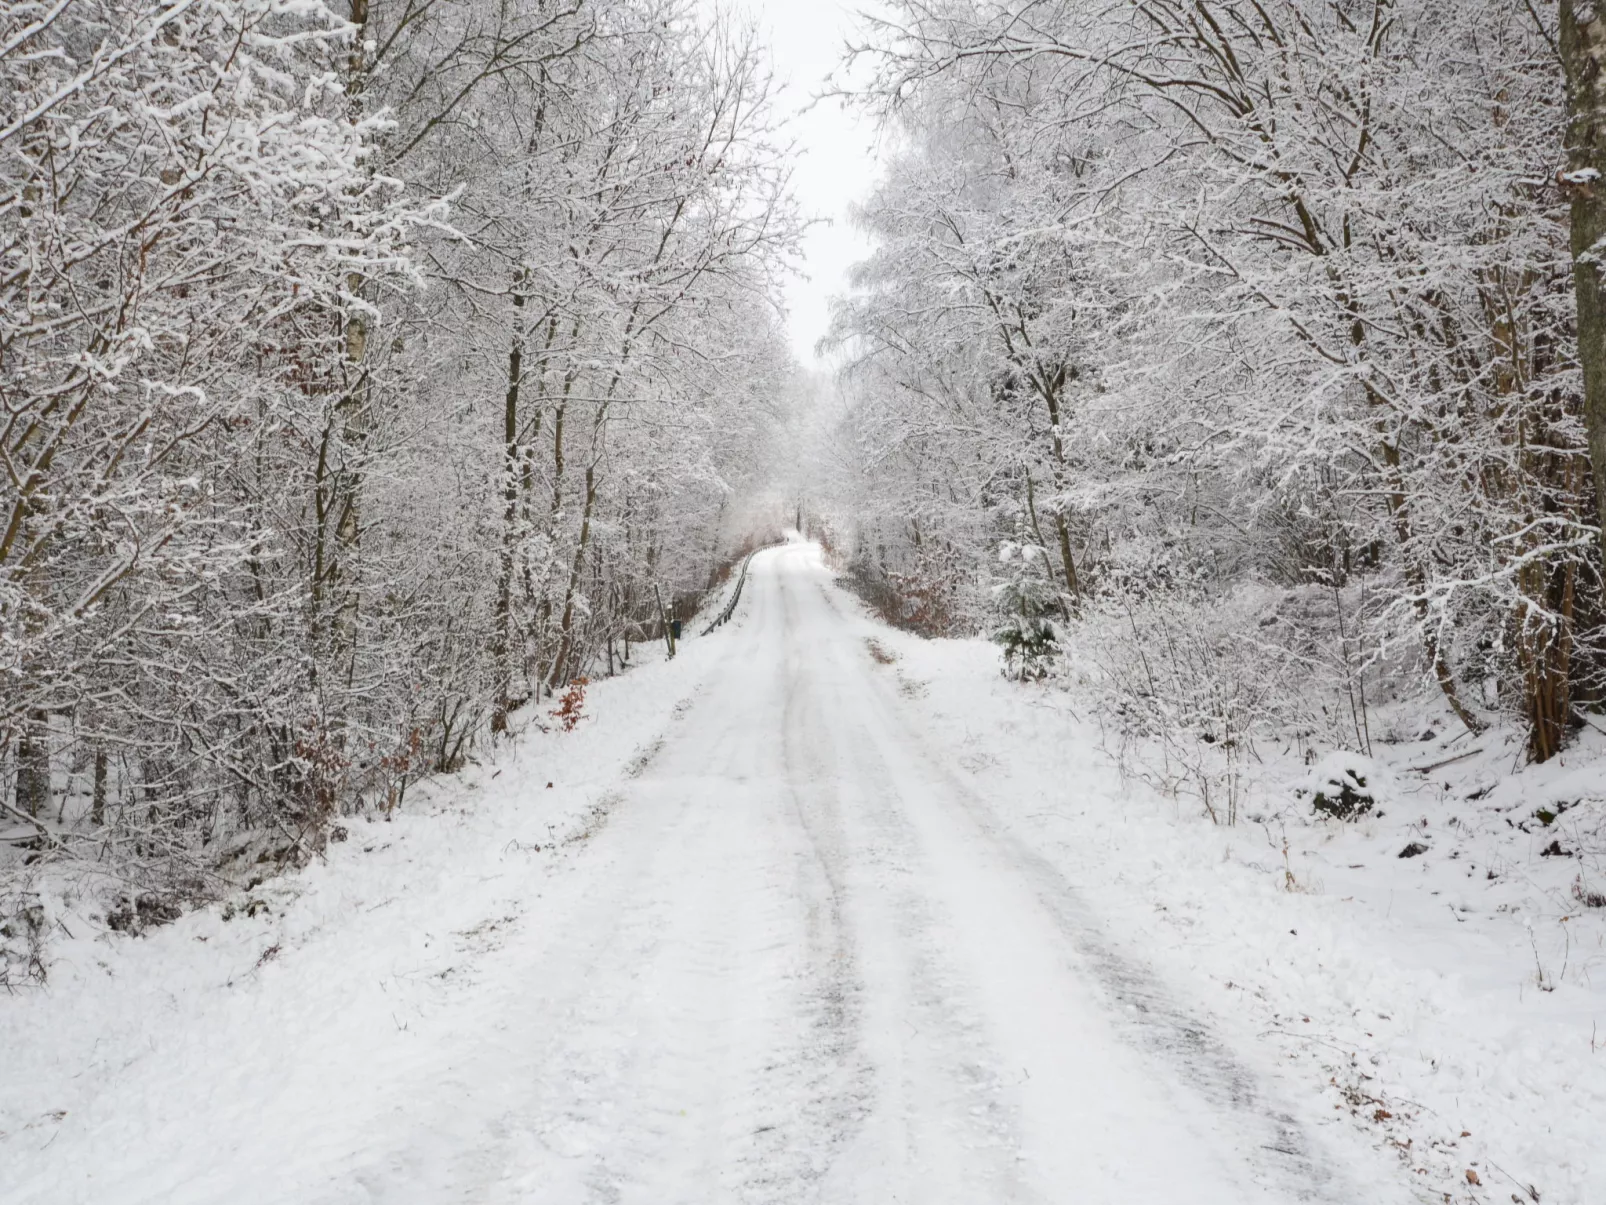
(803, 962)
(827, 1079)
(1147, 1015)
(924, 1107)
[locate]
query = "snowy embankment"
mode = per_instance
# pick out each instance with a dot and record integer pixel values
(1451, 1004)
(586, 955)
(283, 1014)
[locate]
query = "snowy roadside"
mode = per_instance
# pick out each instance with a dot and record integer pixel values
(1396, 1001)
(1450, 1005)
(322, 983)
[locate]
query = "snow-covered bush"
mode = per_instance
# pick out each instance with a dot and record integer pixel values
(1196, 684)
(1026, 603)
(23, 926)
(1343, 785)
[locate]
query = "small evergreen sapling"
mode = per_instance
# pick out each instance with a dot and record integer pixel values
(1024, 600)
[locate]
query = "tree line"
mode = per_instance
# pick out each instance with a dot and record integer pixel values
(364, 376)
(1271, 329)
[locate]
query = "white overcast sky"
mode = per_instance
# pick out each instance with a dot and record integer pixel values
(837, 165)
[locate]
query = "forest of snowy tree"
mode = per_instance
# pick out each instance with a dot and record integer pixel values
(1239, 340)
(364, 374)
(370, 371)
(1151, 455)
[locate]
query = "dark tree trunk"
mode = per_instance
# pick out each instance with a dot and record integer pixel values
(1583, 55)
(502, 640)
(33, 765)
(97, 811)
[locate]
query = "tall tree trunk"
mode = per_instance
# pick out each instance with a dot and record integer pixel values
(97, 810)
(1583, 56)
(1050, 390)
(502, 638)
(560, 664)
(1065, 545)
(33, 764)
(351, 411)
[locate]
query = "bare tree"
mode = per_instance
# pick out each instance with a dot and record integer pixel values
(1582, 43)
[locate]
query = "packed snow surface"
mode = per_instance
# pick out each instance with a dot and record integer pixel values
(780, 921)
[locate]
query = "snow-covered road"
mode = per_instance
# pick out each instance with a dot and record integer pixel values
(795, 959)
(808, 969)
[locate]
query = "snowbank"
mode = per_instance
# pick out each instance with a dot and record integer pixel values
(327, 985)
(1450, 1005)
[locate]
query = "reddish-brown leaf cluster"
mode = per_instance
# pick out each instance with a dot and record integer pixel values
(570, 708)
